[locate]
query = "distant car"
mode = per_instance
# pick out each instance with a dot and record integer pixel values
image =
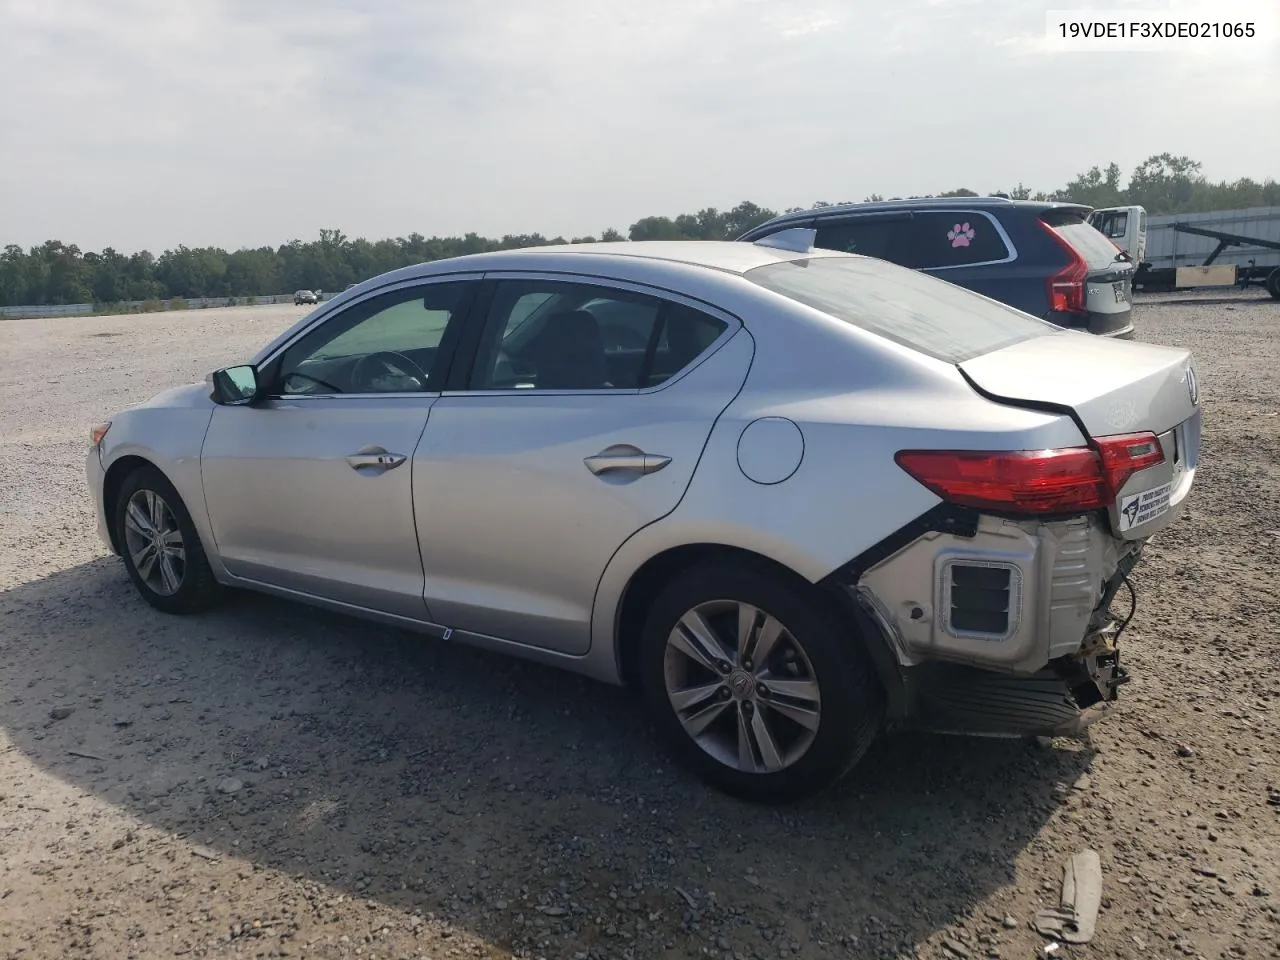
(305, 296)
(1042, 258)
(793, 496)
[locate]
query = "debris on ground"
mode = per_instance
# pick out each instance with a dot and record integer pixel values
(1076, 915)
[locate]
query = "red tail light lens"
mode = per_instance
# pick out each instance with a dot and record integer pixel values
(1066, 287)
(1123, 456)
(1071, 480)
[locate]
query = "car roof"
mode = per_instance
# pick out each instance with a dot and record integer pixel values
(993, 204)
(723, 255)
(645, 261)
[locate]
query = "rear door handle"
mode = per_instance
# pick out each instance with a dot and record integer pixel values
(625, 458)
(375, 457)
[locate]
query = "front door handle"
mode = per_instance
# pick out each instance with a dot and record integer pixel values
(625, 458)
(375, 457)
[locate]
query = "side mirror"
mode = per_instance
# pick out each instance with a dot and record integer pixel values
(234, 386)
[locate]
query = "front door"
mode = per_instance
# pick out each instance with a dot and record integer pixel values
(311, 490)
(580, 420)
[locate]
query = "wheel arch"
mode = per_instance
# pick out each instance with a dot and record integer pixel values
(115, 477)
(660, 569)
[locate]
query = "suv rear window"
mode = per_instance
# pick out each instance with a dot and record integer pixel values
(1097, 250)
(931, 316)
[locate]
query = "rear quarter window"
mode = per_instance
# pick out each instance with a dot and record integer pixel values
(945, 239)
(931, 316)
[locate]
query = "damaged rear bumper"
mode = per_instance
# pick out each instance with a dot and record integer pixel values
(999, 627)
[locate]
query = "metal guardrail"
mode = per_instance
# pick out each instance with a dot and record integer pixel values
(176, 304)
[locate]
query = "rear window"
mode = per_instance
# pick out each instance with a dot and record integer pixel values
(928, 315)
(1097, 250)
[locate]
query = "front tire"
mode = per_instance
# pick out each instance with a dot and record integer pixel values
(160, 546)
(757, 687)
(1273, 283)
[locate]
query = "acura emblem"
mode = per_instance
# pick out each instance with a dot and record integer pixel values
(1192, 387)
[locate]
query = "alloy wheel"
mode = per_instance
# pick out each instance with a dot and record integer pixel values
(154, 542)
(742, 686)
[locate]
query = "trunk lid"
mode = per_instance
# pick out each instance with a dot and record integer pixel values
(1112, 387)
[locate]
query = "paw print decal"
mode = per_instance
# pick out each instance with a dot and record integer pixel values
(960, 235)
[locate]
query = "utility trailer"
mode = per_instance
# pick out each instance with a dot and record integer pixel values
(1219, 248)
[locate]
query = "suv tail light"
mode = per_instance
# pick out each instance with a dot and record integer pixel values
(1070, 480)
(1066, 287)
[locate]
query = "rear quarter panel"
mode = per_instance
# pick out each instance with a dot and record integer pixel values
(857, 400)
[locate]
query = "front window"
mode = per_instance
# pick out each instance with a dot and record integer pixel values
(931, 316)
(386, 344)
(1112, 225)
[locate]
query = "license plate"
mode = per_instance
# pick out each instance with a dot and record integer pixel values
(1122, 295)
(1139, 508)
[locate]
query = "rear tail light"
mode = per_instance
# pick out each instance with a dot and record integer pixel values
(1124, 455)
(1066, 287)
(1069, 480)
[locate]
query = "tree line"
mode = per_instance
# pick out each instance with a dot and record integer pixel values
(57, 273)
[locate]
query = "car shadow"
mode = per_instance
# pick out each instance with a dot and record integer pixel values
(441, 779)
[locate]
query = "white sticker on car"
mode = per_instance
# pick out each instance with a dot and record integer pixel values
(1144, 507)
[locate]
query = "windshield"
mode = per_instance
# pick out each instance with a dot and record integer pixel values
(932, 316)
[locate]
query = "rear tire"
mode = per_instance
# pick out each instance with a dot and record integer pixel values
(1273, 283)
(160, 546)
(773, 718)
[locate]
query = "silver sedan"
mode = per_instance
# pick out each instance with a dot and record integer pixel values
(794, 497)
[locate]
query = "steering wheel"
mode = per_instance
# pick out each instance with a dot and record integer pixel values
(388, 364)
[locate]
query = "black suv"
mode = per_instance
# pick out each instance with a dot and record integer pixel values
(1042, 258)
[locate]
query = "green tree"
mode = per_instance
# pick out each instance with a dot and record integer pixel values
(57, 273)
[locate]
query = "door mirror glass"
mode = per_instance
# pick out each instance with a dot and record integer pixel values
(235, 385)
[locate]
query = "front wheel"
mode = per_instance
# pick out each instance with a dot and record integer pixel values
(159, 544)
(1273, 283)
(758, 689)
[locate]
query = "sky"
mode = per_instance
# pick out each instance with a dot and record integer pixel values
(151, 123)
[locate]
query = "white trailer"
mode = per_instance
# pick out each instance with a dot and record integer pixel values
(1217, 248)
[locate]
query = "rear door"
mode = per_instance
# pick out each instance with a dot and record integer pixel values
(885, 236)
(578, 419)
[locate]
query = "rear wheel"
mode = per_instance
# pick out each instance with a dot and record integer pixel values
(1273, 283)
(756, 688)
(159, 544)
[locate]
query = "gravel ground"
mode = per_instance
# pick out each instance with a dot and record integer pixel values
(269, 781)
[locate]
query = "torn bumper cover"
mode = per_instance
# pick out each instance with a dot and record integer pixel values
(1003, 628)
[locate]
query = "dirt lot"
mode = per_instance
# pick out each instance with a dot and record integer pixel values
(269, 781)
